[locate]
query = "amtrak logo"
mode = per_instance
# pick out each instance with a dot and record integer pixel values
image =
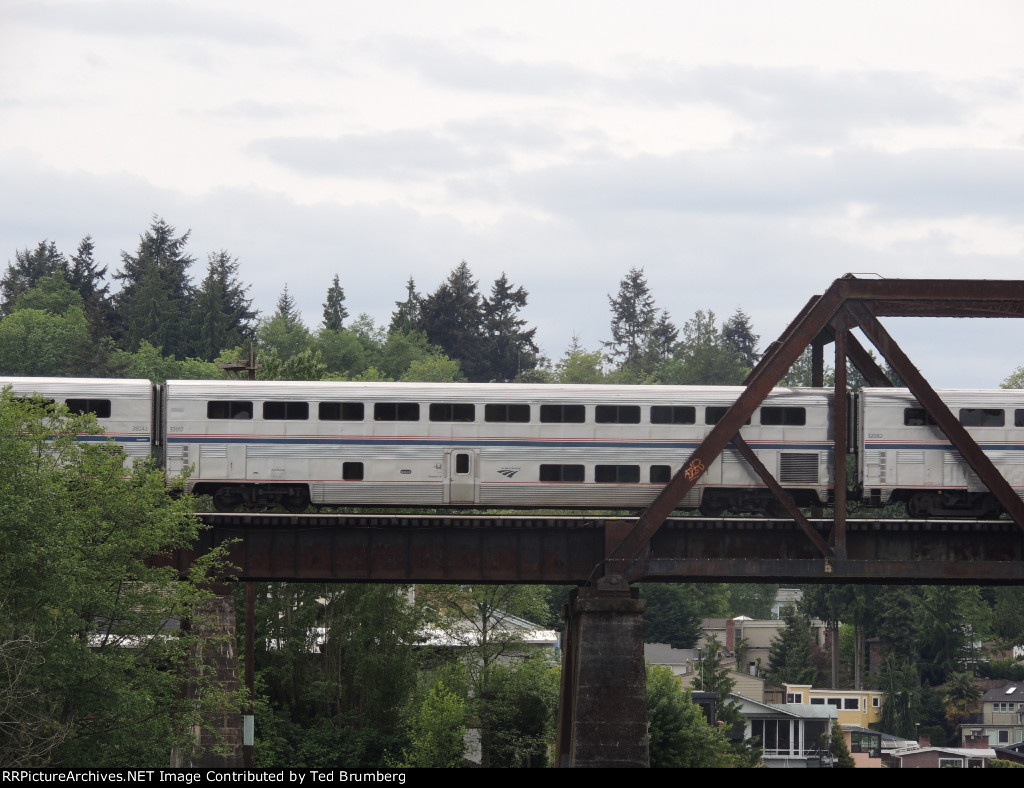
(508, 472)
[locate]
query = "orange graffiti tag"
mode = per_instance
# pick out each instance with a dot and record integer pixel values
(696, 469)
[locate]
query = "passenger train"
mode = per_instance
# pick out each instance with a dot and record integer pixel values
(259, 444)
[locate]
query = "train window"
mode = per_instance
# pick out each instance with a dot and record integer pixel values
(561, 473)
(291, 411)
(917, 417)
(341, 411)
(617, 414)
(228, 409)
(982, 417)
(99, 407)
(713, 414)
(452, 411)
(783, 417)
(673, 414)
(610, 474)
(462, 463)
(661, 474)
(352, 471)
(563, 414)
(517, 414)
(1018, 418)
(396, 411)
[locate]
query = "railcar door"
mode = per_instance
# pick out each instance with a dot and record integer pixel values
(461, 467)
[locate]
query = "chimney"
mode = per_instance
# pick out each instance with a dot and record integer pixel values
(924, 739)
(730, 636)
(976, 741)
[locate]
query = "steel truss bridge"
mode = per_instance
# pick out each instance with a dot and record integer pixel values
(602, 712)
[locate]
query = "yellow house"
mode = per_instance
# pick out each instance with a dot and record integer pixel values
(855, 707)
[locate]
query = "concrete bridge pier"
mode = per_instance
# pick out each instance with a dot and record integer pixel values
(602, 711)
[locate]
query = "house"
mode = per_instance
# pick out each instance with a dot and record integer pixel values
(855, 707)
(1001, 720)
(792, 735)
(874, 749)
(944, 758)
(749, 639)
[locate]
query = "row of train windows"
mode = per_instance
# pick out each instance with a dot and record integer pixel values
(460, 412)
(969, 417)
(603, 474)
(98, 407)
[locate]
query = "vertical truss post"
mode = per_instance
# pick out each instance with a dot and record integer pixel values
(839, 408)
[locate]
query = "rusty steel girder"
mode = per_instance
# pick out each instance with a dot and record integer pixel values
(825, 318)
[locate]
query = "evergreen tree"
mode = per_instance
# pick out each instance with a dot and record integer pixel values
(29, 266)
(633, 322)
(88, 278)
(452, 318)
(222, 315)
(675, 610)
(664, 337)
(738, 334)
(406, 316)
(789, 654)
(155, 300)
(334, 307)
(510, 348)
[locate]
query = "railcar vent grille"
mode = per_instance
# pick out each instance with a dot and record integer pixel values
(798, 468)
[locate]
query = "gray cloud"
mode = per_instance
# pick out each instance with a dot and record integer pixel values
(153, 18)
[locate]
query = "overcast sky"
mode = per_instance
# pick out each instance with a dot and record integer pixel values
(745, 154)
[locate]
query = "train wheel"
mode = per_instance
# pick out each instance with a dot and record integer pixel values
(296, 502)
(712, 507)
(225, 500)
(920, 505)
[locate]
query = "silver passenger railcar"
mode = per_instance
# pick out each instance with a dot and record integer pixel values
(904, 457)
(124, 408)
(486, 445)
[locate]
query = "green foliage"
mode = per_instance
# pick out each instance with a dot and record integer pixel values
(840, 751)
(149, 362)
(522, 710)
(438, 731)
(509, 345)
(579, 365)
(99, 668)
(703, 357)
(753, 600)
(634, 317)
(337, 668)
(679, 734)
(898, 682)
(222, 315)
(38, 342)
(674, 611)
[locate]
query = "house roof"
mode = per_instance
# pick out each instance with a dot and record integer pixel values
(756, 709)
(1011, 690)
(961, 752)
(664, 654)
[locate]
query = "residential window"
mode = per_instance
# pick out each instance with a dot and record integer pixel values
(673, 414)
(452, 411)
(511, 413)
(950, 763)
(99, 407)
(851, 703)
(783, 417)
(612, 474)
(291, 411)
(617, 414)
(341, 411)
(794, 697)
(228, 409)
(875, 702)
(561, 473)
(563, 414)
(396, 411)
(817, 701)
